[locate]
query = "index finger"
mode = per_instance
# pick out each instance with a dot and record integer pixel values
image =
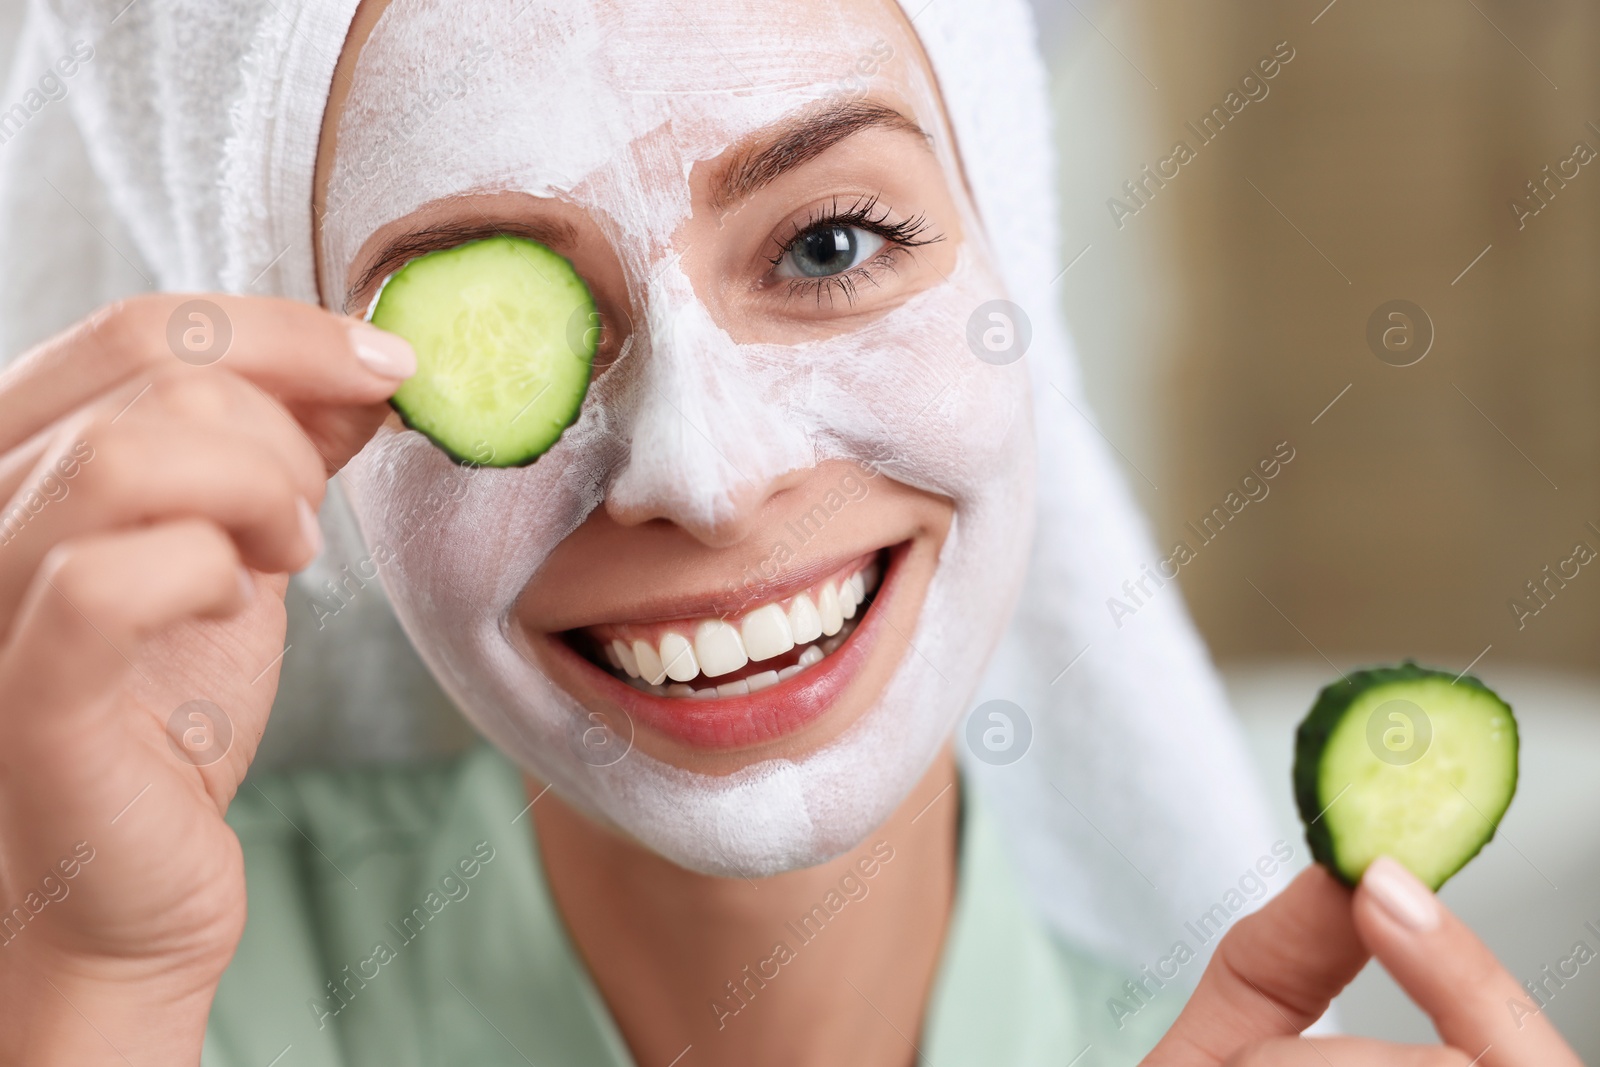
(1273, 974)
(1474, 1002)
(301, 354)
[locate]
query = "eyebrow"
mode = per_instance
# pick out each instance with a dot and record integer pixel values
(413, 243)
(800, 141)
(797, 142)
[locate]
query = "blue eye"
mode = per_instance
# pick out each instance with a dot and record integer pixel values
(828, 250)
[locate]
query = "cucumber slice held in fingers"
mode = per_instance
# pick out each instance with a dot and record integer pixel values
(502, 332)
(1408, 762)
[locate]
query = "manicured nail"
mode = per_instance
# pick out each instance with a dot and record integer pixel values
(247, 585)
(310, 529)
(383, 353)
(1406, 900)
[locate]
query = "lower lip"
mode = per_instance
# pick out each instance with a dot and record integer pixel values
(743, 721)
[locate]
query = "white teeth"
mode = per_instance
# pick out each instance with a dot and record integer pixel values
(815, 620)
(829, 610)
(766, 633)
(625, 654)
(650, 669)
(677, 657)
(805, 625)
(809, 656)
(718, 648)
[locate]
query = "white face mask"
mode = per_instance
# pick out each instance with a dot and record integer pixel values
(607, 107)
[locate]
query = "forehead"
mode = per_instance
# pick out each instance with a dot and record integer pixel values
(555, 97)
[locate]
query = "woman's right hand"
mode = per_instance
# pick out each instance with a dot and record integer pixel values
(1277, 970)
(160, 464)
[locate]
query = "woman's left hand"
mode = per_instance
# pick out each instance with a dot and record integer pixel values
(1277, 970)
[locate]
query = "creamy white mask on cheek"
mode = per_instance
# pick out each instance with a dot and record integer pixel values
(610, 109)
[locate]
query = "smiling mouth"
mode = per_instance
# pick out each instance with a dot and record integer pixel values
(712, 658)
(715, 678)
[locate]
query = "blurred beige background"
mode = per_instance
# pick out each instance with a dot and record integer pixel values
(1230, 309)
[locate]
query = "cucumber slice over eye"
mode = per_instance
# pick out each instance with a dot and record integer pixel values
(1407, 762)
(502, 331)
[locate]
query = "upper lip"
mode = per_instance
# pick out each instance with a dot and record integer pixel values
(736, 598)
(736, 721)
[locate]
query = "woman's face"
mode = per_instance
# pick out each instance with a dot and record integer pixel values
(663, 617)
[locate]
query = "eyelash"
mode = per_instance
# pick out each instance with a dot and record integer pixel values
(866, 214)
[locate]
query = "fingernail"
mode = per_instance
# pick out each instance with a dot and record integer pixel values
(310, 529)
(1398, 892)
(247, 585)
(383, 353)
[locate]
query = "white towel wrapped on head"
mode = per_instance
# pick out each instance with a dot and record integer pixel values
(182, 157)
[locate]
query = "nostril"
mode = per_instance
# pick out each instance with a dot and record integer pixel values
(716, 515)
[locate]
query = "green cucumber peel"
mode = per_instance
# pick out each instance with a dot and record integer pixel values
(504, 331)
(1404, 761)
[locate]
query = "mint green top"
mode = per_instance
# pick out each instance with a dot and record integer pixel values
(426, 884)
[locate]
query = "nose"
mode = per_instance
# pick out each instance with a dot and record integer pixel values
(710, 435)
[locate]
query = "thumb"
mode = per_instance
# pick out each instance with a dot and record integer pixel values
(1273, 975)
(1474, 1002)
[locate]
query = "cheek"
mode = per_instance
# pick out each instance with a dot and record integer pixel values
(905, 396)
(922, 404)
(462, 542)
